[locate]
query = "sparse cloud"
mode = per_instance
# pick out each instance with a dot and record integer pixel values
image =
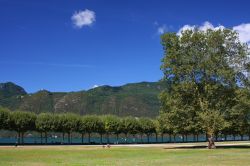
(162, 29)
(205, 26)
(244, 32)
(242, 29)
(95, 86)
(83, 18)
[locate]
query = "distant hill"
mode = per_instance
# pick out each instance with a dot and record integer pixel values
(11, 94)
(136, 99)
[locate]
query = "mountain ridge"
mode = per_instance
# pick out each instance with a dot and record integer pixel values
(132, 99)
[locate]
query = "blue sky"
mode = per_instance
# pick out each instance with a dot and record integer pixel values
(70, 45)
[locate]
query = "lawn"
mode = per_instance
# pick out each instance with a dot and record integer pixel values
(96, 155)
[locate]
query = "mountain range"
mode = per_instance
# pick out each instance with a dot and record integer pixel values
(134, 99)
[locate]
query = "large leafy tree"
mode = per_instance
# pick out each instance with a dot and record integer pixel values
(204, 69)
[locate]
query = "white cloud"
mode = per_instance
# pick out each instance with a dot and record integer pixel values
(184, 28)
(162, 29)
(95, 86)
(244, 32)
(204, 27)
(83, 18)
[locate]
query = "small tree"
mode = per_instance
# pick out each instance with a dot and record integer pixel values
(147, 126)
(90, 124)
(45, 123)
(130, 125)
(4, 118)
(21, 122)
(69, 123)
(112, 125)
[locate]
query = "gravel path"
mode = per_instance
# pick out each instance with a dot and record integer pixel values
(166, 145)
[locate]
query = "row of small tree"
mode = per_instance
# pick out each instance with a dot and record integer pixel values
(172, 124)
(68, 123)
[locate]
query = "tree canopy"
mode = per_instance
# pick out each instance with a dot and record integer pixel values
(205, 70)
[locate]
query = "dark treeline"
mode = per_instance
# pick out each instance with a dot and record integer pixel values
(107, 125)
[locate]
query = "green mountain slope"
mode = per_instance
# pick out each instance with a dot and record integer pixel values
(137, 99)
(11, 95)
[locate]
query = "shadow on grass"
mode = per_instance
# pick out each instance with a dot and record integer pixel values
(217, 147)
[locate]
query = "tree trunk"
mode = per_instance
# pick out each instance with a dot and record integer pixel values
(22, 137)
(101, 137)
(63, 136)
(71, 136)
(197, 137)
(82, 137)
(126, 138)
(183, 138)
(68, 138)
(162, 138)
(234, 137)
(194, 137)
(174, 138)
(225, 137)
(211, 144)
(108, 137)
(141, 139)
(89, 138)
(186, 137)
(156, 137)
(19, 137)
(148, 138)
(41, 137)
(170, 138)
(241, 137)
(117, 137)
(46, 138)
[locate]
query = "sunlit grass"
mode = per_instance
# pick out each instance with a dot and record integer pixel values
(96, 155)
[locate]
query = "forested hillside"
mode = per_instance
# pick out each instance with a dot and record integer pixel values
(136, 99)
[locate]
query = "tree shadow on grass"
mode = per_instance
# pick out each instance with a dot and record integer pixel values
(217, 147)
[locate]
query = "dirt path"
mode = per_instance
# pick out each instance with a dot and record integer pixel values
(166, 145)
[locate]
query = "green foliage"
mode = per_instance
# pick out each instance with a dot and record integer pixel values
(21, 121)
(204, 70)
(130, 125)
(212, 122)
(91, 124)
(239, 116)
(147, 126)
(112, 124)
(45, 122)
(69, 122)
(4, 118)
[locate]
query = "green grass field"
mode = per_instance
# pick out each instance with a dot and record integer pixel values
(96, 155)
